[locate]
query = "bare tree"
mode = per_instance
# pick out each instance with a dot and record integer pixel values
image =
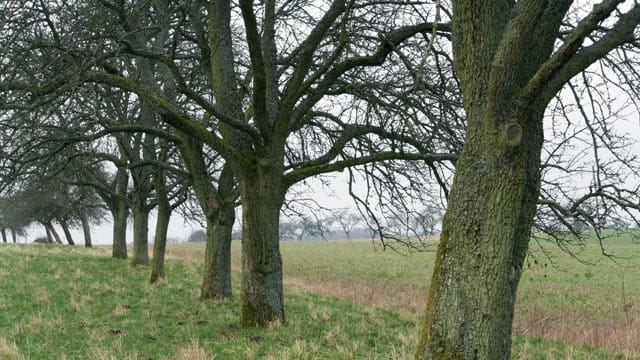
(299, 228)
(267, 89)
(512, 59)
(12, 219)
(347, 220)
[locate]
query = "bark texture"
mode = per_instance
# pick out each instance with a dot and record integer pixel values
(219, 204)
(216, 281)
(162, 226)
(120, 212)
(140, 208)
(486, 229)
(219, 209)
(140, 231)
(262, 198)
(120, 215)
(482, 247)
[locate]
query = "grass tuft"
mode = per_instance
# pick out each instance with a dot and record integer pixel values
(194, 352)
(9, 350)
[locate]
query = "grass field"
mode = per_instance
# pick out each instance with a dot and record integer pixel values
(344, 300)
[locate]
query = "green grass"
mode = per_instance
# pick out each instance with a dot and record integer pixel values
(58, 302)
(525, 348)
(75, 303)
(591, 301)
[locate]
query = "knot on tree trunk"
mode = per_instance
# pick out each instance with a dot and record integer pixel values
(512, 134)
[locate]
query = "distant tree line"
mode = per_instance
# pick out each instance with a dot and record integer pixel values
(338, 224)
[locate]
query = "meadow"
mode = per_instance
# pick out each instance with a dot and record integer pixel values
(344, 300)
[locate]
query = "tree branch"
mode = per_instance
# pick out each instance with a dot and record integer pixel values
(312, 169)
(387, 44)
(570, 59)
(173, 117)
(257, 65)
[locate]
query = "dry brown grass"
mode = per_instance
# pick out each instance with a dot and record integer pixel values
(184, 252)
(608, 328)
(382, 293)
(618, 335)
(9, 350)
(194, 352)
(379, 292)
(572, 326)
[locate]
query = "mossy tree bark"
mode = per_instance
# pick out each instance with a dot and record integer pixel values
(216, 280)
(163, 202)
(162, 226)
(503, 55)
(262, 196)
(219, 209)
(114, 193)
(119, 208)
(482, 247)
(218, 204)
(142, 148)
(140, 210)
(120, 215)
(140, 230)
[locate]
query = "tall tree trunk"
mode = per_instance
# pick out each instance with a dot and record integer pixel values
(120, 215)
(216, 281)
(142, 176)
(140, 231)
(218, 207)
(162, 226)
(53, 232)
(120, 211)
(14, 236)
(486, 229)
(220, 222)
(86, 230)
(4, 235)
(262, 197)
(67, 232)
(482, 247)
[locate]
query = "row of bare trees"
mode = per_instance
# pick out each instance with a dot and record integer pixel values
(239, 103)
(45, 201)
(247, 123)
